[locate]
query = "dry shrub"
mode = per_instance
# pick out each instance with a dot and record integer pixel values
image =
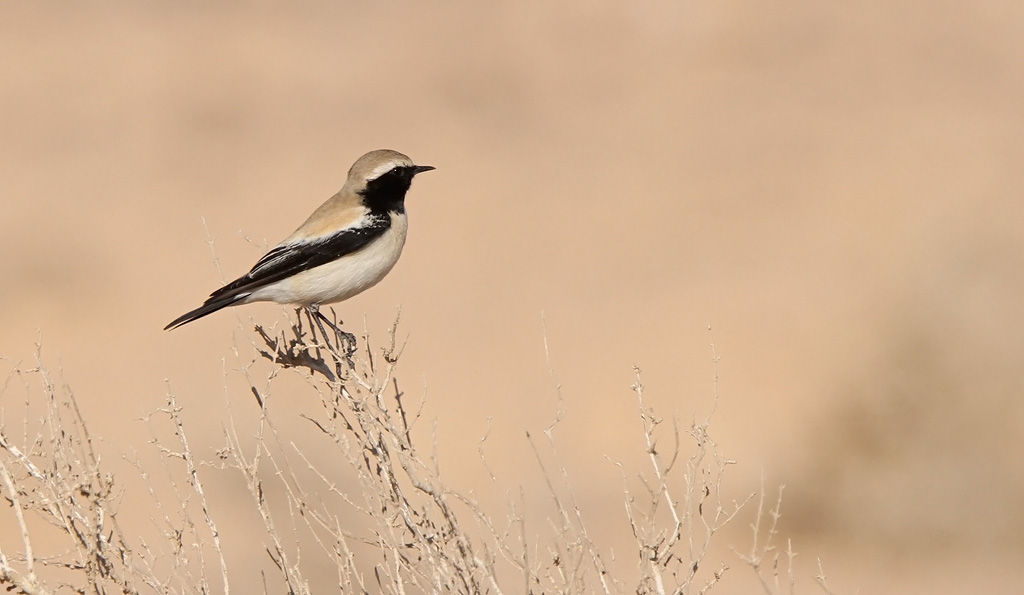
(383, 517)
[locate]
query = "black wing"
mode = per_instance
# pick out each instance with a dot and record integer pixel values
(287, 260)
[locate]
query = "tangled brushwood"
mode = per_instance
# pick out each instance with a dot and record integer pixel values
(359, 494)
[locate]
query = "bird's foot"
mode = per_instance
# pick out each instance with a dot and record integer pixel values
(343, 344)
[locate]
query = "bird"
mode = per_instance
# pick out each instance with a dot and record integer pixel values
(345, 247)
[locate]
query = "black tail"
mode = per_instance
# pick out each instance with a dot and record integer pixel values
(209, 307)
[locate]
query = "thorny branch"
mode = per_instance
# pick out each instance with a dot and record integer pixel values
(389, 523)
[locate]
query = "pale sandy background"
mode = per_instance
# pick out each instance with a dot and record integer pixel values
(835, 188)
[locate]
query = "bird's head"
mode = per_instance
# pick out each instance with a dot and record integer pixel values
(383, 174)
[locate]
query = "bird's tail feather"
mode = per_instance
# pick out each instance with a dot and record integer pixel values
(209, 307)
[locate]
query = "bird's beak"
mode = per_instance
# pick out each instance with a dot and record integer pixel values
(418, 169)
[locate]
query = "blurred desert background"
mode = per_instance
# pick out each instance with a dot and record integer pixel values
(833, 188)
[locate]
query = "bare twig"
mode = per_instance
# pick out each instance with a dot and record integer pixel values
(379, 509)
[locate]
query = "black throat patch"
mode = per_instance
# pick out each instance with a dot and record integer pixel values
(387, 193)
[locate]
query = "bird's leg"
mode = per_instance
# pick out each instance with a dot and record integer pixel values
(313, 323)
(317, 319)
(349, 339)
(313, 312)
